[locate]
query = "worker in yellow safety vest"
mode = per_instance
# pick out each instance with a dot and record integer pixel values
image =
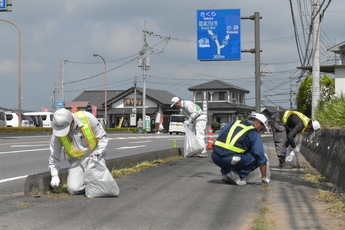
(80, 134)
(238, 150)
(285, 126)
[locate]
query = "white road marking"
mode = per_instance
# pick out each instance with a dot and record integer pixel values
(139, 142)
(13, 178)
(132, 147)
(15, 146)
(20, 151)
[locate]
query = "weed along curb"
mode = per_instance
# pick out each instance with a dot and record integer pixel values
(38, 184)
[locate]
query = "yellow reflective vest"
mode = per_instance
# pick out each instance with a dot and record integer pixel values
(88, 134)
(303, 117)
(235, 136)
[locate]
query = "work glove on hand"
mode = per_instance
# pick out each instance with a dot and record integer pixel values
(95, 154)
(296, 150)
(55, 182)
(187, 123)
(265, 180)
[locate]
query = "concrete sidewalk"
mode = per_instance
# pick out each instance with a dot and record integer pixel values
(183, 194)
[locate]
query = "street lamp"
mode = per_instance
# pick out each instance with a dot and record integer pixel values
(105, 89)
(19, 74)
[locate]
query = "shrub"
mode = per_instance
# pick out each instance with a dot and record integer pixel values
(215, 125)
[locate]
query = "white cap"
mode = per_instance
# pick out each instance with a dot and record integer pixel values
(62, 120)
(174, 100)
(316, 125)
(262, 118)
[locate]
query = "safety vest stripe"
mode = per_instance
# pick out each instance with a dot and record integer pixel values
(87, 131)
(231, 140)
(70, 150)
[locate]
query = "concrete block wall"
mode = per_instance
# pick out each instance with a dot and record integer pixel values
(325, 151)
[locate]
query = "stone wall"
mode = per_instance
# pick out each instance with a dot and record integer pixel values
(325, 151)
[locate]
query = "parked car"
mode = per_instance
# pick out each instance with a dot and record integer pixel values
(47, 117)
(12, 119)
(176, 124)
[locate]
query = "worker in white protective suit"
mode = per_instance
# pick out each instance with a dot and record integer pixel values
(195, 116)
(81, 135)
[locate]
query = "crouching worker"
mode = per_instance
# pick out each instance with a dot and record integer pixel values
(81, 135)
(238, 150)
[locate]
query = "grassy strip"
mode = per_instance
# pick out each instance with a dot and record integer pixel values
(335, 199)
(263, 220)
(62, 192)
(141, 166)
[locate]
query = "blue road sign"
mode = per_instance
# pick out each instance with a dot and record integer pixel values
(219, 35)
(60, 104)
(3, 4)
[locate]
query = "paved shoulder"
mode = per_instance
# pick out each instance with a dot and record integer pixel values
(183, 194)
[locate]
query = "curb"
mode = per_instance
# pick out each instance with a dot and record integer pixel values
(39, 184)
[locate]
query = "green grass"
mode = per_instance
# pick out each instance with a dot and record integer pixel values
(331, 114)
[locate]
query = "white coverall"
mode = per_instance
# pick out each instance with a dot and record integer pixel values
(75, 180)
(199, 120)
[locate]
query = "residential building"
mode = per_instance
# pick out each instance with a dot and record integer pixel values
(223, 102)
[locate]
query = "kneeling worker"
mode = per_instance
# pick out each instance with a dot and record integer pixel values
(238, 150)
(81, 135)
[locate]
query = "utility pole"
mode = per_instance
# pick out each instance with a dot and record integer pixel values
(53, 98)
(62, 63)
(256, 17)
(316, 57)
(135, 96)
(144, 63)
(257, 63)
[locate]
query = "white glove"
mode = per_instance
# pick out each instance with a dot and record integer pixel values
(296, 150)
(55, 181)
(96, 154)
(265, 180)
(187, 123)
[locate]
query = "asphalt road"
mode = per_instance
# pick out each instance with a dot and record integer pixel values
(184, 194)
(26, 155)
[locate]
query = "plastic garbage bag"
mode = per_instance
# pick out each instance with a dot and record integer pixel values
(255, 176)
(98, 180)
(191, 144)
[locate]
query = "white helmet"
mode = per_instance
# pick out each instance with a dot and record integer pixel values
(262, 118)
(316, 125)
(174, 100)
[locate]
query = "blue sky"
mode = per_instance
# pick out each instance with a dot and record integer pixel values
(74, 30)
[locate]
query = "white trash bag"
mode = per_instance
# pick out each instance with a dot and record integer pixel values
(290, 156)
(98, 180)
(191, 144)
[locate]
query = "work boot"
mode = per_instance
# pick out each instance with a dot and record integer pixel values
(226, 179)
(282, 162)
(236, 179)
